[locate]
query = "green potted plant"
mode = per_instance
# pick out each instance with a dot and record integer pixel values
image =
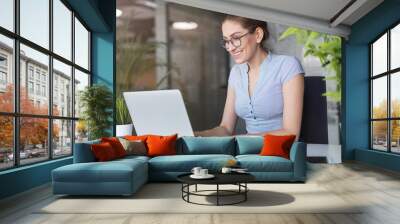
(96, 102)
(123, 119)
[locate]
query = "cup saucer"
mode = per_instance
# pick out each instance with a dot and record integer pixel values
(208, 176)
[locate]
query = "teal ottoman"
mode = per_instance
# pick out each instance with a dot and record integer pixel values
(118, 177)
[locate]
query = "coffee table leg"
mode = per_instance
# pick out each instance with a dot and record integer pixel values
(245, 191)
(196, 188)
(188, 189)
(217, 194)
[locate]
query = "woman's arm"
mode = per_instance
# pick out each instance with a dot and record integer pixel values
(293, 92)
(229, 118)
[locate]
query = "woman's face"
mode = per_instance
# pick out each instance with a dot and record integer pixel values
(233, 32)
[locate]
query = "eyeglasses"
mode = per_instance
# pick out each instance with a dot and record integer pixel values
(235, 41)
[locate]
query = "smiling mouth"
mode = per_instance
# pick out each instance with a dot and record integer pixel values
(236, 53)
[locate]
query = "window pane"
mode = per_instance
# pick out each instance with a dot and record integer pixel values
(34, 72)
(62, 138)
(33, 139)
(62, 89)
(81, 81)
(395, 94)
(395, 136)
(62, 29)
(379, 135)
(35, 21)
(379, 97)
(81, 45)
(81, 131)
(6, 74)
(6, 142)
(7, 14)
(395, 47)
(379, 55)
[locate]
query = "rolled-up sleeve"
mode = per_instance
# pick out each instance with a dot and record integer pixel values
(234, 77)
(293, 67)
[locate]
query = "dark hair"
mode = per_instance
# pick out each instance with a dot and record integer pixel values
(250, 24)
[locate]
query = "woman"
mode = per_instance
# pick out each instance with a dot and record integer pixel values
(264, 89)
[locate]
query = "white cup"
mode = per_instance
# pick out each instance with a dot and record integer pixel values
(196, 171)
(226, 170)
(203, 172)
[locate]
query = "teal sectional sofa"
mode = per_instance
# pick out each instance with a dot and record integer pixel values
(125, 176)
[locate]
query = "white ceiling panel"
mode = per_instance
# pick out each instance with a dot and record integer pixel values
(320, 9)
(318, 15)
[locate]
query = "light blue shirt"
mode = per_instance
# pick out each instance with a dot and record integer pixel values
(263, 111)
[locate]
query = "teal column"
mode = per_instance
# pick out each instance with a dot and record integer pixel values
(103, 52)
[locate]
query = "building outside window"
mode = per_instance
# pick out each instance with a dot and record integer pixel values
(37, 74)
(3, 78)
(3, 71)
(30, 87)
(3, 61)
(43, 90)
(43, 77)
(30, 72)
(38, 89)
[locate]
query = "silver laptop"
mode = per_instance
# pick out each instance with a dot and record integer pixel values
(159, 112)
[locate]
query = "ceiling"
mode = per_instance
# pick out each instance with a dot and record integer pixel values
(328, 16)
(319, 9)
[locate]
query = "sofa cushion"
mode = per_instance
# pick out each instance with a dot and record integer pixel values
(111, 171)
(257, 163)
(135, 147)
(185, 163)
(116, 145)
(142, 138)
(83, 152)
(132, 158)
(158, 145)
(249, 144)
(277, 145)
(103, 152)
(207, 145)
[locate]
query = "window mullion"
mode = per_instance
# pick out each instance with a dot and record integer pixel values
(73, 81)
(371, 89)
(50, 81)
(16, 85)
(389, 113)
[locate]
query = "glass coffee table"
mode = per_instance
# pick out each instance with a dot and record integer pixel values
(238, 179)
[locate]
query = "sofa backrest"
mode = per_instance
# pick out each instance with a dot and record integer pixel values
(206, 145)
(249, 144)
(238, 145)
(83, 152)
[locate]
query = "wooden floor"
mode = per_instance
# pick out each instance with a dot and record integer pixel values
(377, 188)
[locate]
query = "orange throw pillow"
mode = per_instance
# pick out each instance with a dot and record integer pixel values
(116, 145)
(277, 145)
(161, 145)
(103, 151)
(142, 138)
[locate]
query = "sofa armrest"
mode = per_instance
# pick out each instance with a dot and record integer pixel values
(83, 152)
(298, 157)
